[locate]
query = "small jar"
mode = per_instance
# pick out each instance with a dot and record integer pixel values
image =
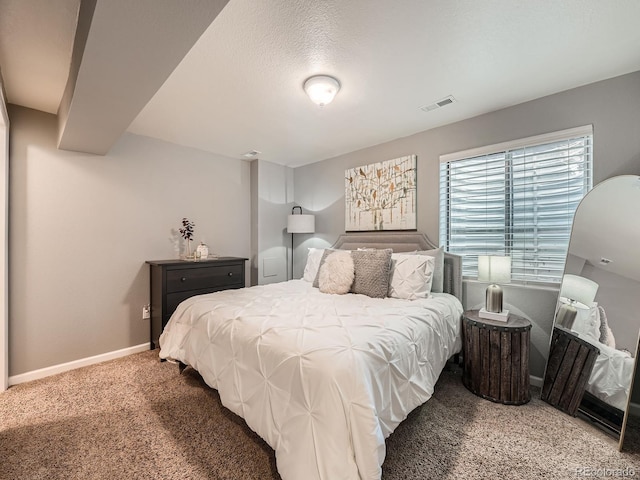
(202, 250)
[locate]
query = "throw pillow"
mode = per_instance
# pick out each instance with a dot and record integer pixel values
(316, 279)
(371, 272)
(313, 264)
(411, 276)
(587, 320)
(606, 335)
(336, 273)
(437, 285)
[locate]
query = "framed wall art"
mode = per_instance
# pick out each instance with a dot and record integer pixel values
(381, 196)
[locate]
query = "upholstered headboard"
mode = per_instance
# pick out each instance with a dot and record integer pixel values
(406, 242)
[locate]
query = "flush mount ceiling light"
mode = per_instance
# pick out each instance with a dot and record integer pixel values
(321, 89)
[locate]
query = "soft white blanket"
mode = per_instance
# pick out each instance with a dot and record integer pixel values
(322, 378)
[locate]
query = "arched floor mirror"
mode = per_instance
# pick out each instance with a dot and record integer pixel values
(593, 352)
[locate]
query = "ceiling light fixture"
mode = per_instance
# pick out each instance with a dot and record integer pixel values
(321, 89)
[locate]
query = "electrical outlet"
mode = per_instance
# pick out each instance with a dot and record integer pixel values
(146, 312)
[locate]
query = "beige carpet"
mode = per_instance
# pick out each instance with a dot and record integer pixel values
(135, 417)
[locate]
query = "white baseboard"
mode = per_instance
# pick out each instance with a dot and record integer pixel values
(83, 362)
(535, 381)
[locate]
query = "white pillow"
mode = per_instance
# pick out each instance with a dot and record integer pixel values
(337, 273)
(313, 264)
(411, 276)
(437, 285)
(587, 320)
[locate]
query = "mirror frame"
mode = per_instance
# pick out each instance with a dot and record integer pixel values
(621, 433)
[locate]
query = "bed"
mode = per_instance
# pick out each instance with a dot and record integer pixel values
(610, 379)
(324, 379)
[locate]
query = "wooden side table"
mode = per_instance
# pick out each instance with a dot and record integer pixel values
(571, 361)
(496, 358)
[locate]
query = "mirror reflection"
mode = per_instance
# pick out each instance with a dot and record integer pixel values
(594, 343)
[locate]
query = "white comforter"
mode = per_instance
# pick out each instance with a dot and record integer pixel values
(323, 379)
(610, 379)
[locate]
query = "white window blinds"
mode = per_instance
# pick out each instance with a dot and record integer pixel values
(516, 199)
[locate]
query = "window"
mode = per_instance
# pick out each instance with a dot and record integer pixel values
(517, 199)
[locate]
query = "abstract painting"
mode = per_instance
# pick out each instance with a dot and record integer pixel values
(381, 196)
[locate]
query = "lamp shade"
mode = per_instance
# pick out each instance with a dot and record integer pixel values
(494, 269)
(321, 89)
(301, 223)
(579, 289)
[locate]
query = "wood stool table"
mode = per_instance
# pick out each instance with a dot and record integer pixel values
(571, 361)
(496, 358)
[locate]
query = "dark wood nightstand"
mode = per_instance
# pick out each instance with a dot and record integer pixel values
(496, 358)
(571, 361)
(173, 281)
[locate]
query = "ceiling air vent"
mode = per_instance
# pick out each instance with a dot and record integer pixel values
(440, 103)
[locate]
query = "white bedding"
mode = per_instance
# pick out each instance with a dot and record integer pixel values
(323, 379)
(610, 378)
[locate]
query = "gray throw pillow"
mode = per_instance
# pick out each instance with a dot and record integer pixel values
(438, 268)
(372, 269)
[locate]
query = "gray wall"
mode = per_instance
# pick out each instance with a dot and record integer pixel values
(611, 106)
(82, 226)
(271, 202)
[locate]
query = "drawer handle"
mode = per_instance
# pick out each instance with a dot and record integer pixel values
(230, 274)
(183, 279)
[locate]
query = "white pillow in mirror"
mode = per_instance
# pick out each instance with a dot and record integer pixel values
(587, 320)
(411, 276)
(313, 264)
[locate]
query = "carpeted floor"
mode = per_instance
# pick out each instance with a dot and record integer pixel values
(136, 417)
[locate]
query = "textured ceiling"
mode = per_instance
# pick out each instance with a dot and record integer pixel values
(240, 87)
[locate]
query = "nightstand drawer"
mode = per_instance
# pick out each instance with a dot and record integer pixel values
(189, 279)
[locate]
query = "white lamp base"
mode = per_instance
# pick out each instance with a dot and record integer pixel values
(502, 316)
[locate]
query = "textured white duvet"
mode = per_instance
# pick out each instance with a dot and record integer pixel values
(324, 379)
(610, 379)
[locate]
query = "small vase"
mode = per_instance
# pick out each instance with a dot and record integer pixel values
(189, 256)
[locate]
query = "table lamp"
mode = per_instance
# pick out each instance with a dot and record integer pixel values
(495, 269)
(576, 289)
